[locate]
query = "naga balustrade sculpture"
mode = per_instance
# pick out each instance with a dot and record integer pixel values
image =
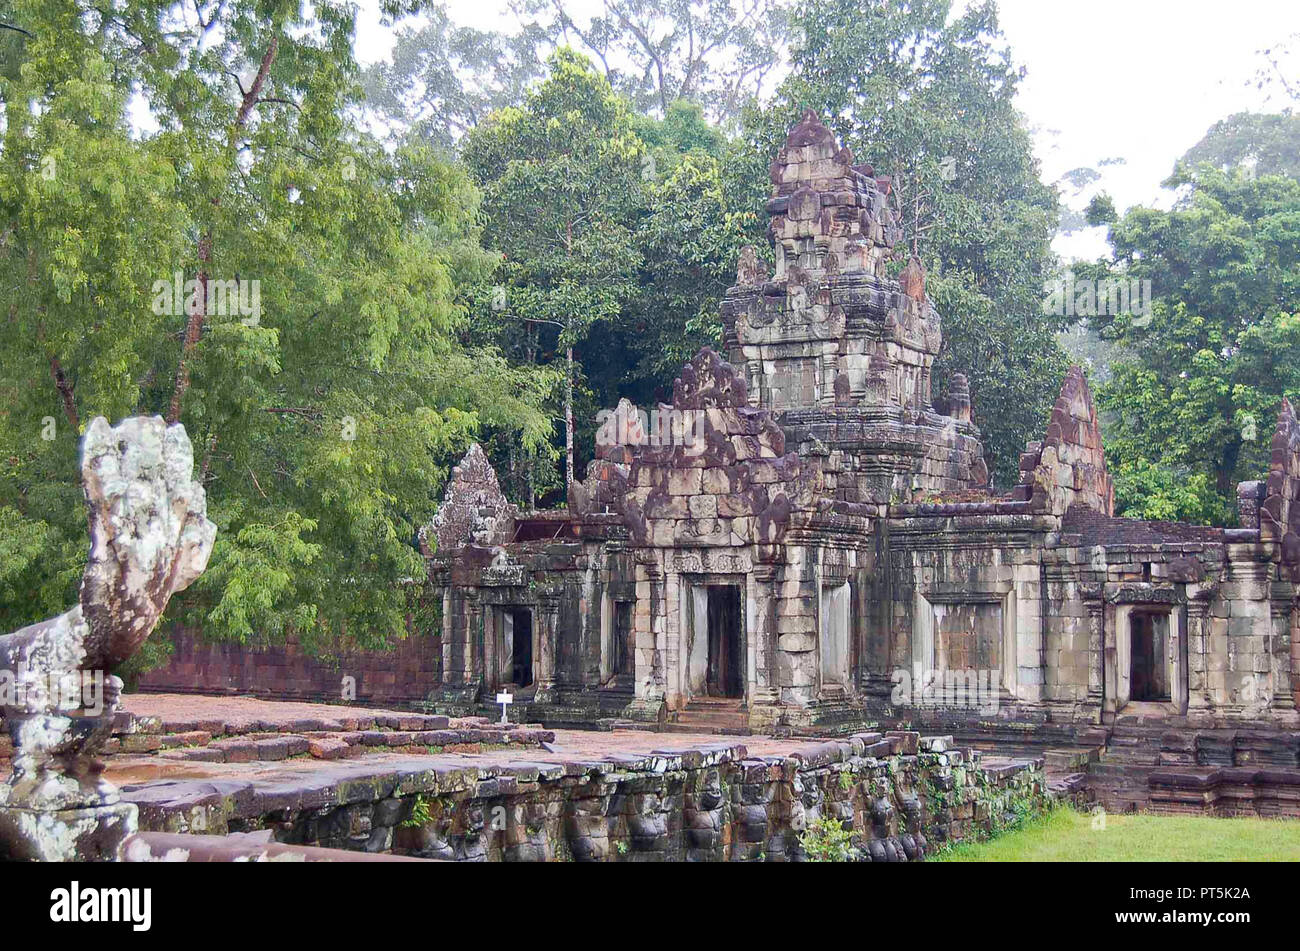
(149, 538)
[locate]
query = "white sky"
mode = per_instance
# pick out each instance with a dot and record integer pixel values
(1137, 79)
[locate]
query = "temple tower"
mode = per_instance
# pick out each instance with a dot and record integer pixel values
(833, 345)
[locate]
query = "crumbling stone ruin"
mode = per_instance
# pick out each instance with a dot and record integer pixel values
(149, 538)
(834, 528)
(808, 542)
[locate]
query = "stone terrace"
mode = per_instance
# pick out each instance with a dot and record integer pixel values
(519, 793)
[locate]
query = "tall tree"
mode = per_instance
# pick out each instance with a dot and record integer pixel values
(1260, 143)
(247, 261)
(927, 97)
(444, 79)
(719, 53)
(562, 177)
(1191, 407)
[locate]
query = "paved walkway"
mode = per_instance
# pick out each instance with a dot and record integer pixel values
(241, 713)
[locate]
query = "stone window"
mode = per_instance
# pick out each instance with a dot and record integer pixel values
(966, 627)
(968, 636)
(1150, 666)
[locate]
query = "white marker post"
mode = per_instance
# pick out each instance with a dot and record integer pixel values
(505, 700)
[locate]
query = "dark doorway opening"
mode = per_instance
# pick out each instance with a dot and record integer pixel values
(1148, 674)
(623, 657)
(725, 677)
(519, 625)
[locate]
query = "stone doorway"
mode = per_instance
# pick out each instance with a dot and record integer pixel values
(725, 675)
(516, 646)
(1146, 648)
(1148, 665)
(624, 658)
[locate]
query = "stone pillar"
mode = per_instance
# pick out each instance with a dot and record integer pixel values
(1096, 651)
(463, 626)
(650, 633)
(1295, 653)
(545, 638)
(1110, 660)
(1282, 611)
(762, 597)
(1198, 648)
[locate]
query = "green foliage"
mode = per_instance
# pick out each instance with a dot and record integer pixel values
(827, 840)
(1101, 210)
(656, 52)
(1191, 406)
(1265, 143)
(690, 240)
(616, 237)
(324, 420)
(444, 79)
(1146, 491)
(420, 815)
(561, 178)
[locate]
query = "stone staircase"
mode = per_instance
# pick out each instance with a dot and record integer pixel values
(331, 735)
(1178, 756)
(710, 715)
(1119, 779)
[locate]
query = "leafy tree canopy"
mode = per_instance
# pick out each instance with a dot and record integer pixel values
(1192, 404)
(324, 390)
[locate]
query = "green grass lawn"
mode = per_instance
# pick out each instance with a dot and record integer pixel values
(1065, 835)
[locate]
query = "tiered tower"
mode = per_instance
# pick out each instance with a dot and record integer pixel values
(838, 349)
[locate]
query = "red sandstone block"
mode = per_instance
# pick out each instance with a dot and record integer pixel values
(237, 751)
(904, 742)
(196, 755)
(274, 749)
(327, 748)
(187, 738)
(141, 743)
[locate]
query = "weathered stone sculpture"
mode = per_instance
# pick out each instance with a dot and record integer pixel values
(149, 538)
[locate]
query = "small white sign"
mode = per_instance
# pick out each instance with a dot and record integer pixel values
(504, 699)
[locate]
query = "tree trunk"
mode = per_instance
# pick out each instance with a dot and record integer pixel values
(568, 419)
(65, 391)
(194, 326)
(568, 380)
(193, 330)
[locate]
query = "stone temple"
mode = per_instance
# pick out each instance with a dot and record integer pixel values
(805, 541)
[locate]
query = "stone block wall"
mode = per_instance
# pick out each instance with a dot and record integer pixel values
(405, 675)
(901, 797)
(974, 576)
(1278, 514)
